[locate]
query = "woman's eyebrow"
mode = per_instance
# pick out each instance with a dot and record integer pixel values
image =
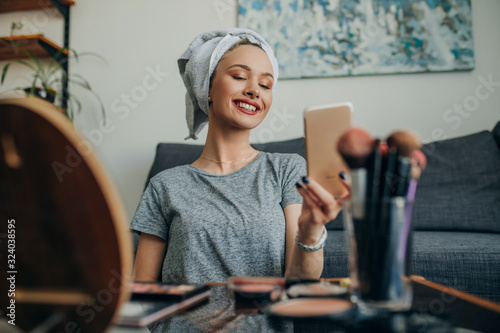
(245, 67)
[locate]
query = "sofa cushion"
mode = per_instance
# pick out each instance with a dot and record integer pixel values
(288, 146)
(460, 188)
(335, 255)
(467, 261)
(169, 155)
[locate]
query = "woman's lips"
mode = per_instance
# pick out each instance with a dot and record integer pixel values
(247, 107)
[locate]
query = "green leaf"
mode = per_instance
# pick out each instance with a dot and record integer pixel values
(27, 64)
(47, 76)
(84, 83)
(22, 62)
(72, 98)
(33, 87)
(4, 71)
(97, 55)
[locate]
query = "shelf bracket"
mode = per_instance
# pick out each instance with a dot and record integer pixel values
(59, 55)
(64, 10)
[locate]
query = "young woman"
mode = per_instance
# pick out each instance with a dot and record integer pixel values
(235, 211)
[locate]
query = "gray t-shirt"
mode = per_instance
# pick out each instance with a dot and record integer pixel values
(217, 226)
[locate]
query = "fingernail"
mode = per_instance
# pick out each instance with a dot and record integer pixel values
(298, 185)
(305, 180)
(343, 175)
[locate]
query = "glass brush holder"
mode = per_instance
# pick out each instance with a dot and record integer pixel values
(378, 236)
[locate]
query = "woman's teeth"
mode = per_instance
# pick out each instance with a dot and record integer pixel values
(246, 106)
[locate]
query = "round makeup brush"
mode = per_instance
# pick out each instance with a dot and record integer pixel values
(405, 142)
(355, 145)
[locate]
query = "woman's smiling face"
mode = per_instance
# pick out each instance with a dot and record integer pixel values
(241, 89)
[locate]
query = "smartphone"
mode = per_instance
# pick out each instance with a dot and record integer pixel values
(323, 125)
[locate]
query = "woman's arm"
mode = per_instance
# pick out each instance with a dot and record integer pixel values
(149, 258)
(319, 208)
(299, 264)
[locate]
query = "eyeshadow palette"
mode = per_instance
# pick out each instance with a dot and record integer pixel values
(319, 289)
(142, 290)
(142, 312)
(311, 308)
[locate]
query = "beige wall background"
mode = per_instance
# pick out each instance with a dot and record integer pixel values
(144, 95)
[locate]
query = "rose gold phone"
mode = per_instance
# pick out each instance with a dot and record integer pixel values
(323, 125)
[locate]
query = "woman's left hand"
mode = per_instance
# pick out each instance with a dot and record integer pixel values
(319, 208)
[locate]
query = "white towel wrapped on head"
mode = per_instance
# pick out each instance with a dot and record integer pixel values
(197, 65)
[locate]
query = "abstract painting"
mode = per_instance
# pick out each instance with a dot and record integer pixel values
(324, 38)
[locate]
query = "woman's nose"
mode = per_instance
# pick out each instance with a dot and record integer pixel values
(252, 90)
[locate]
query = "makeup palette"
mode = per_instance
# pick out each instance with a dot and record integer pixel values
(255, 291)
(256, 294)
(163, 291)
(319, 289)
(302, 308)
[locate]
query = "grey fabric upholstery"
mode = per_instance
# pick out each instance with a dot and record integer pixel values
(467, 261)
(335, 255)
(456, 213)
(460, 188)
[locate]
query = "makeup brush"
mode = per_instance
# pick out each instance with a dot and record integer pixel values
(382, 263)
(418, 163)
(395, 180)
(355, 145)
(383, 148)
(405, 143)
(373, 208)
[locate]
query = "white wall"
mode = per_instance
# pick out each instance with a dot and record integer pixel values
(137, 37)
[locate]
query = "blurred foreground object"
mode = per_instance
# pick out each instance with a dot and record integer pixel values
(68, 249)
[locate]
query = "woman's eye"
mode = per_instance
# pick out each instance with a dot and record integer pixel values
(238, 77)
(264, 86)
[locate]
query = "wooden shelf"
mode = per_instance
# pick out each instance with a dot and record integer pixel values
(21, 5)
(37, 45)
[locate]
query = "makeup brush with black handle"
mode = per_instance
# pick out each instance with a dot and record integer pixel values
(358, 149)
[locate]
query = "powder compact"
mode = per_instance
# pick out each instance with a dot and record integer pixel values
(306, 308)
(255, 291)
(256, 294)
(319, 289)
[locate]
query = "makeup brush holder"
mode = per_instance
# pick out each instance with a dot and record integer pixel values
(378, 236)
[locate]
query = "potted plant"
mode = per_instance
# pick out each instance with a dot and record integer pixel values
(47, 80)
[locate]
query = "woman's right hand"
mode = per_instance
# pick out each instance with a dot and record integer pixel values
(319, 207)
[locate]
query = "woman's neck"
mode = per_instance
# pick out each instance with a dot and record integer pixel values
(226, 152)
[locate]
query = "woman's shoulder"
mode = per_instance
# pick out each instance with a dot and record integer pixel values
(285, 162)
(284, 157)
(171, 174)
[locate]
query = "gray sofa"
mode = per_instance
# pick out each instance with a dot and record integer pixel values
(456, 216)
